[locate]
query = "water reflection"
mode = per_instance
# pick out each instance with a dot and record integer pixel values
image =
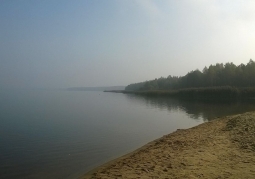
(196, 109)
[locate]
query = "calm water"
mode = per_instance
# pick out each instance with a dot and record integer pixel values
(62, 134)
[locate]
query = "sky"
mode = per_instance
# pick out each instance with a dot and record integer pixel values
(66, 43)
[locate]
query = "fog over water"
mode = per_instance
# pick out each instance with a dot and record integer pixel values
(61, 43)
(49, 46)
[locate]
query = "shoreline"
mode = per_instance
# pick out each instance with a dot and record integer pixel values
(208, 93)
(218, 148)
(90, 173)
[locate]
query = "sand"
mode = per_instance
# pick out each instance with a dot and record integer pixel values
(222, 148)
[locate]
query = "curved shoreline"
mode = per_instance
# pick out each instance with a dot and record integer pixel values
(90, 173)
(209, 150)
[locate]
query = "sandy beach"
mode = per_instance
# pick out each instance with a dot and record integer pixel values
(222, 148)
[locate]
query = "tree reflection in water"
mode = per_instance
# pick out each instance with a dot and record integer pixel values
(196, 109)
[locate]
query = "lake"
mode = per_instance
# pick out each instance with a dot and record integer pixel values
(63, 134)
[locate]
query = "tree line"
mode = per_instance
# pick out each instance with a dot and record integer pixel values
(213, 76)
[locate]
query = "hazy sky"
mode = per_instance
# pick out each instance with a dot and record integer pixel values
(67, 43)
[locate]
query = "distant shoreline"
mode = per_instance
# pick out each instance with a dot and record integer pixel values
(219, 148)
(100, 88)
(217, 93)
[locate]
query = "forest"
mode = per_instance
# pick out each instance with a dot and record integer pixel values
(218, 75)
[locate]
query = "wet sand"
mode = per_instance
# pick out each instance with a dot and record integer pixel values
(222, 148)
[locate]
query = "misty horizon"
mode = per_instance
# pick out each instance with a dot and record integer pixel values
(63, 44)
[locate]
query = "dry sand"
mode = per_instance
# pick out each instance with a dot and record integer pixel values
(222, 148)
